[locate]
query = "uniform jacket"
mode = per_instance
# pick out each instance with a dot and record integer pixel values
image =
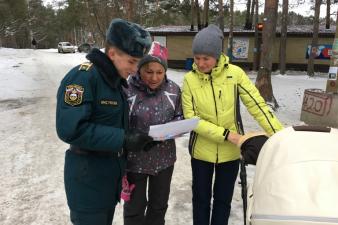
(92, 114)
(148, 108)
(214, 99)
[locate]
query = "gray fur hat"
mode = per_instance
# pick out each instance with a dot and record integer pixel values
(208, 41)
(128, 37)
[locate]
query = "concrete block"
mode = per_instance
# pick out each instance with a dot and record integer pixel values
(320, 108)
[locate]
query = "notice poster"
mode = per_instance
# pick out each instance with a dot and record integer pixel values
(322, 51)
(240, 49)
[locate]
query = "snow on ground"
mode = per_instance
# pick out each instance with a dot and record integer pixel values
(32, 157)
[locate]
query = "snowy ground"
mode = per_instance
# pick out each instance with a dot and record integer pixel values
(32, 157)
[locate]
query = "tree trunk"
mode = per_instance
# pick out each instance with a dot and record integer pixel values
(129, 7)
(283, 37)
(231, 30)
(257, 48)
(197, 8)
(263, 81)
(334, 56)
(107, 14)
(247, 25)
(221, 19)
(252, 12)
(75, 37)
(314, 43)
(94, 13)
(328, 5)
(206, 13)
(192, 11)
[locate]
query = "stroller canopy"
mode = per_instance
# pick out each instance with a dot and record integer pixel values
(296, 179)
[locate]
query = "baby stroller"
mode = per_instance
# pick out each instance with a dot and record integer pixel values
(296, 179)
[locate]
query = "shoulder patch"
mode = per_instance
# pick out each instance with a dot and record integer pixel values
(74, 94)
(85, 66)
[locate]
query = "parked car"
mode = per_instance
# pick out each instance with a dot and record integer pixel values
(85, 47)
(64, 47)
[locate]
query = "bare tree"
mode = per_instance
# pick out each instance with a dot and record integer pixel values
(102, 12)
(93, 8)
(206, 13)
(314, 43)
(221, 18)
(197, 7)
(129, 8)
(257, 48)
(192, 11)
(140, 11)
(328, 5)
(252, 13)
(263, 81)
(283, 37)
(247, 25)
(231, 30)
(334, 56)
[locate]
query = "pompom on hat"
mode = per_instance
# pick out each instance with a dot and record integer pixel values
(208, 41)
(129, 37)
(157, 53)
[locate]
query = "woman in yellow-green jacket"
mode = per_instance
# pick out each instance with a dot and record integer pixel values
(211, 92)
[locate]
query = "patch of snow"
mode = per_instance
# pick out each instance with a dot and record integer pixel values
(32, 157)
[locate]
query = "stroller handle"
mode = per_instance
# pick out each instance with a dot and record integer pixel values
(312, 128)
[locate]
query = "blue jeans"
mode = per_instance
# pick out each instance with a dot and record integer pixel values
(223, 188)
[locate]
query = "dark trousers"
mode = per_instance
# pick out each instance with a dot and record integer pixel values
(98, 218)
(139, 211)
(223, 188)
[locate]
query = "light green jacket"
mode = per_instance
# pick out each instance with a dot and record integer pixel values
(214, 99)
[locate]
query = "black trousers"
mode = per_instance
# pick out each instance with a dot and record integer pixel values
(98, 218)
(139, 210)
(223, 188)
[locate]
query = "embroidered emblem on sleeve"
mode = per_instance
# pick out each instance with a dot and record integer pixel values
(74, 94)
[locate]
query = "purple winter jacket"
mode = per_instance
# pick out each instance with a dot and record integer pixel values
(151, 107)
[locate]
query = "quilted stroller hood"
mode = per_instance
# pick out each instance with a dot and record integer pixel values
(296, 179)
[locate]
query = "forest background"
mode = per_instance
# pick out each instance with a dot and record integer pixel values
(81, 21)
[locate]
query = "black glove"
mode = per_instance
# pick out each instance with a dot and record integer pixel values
(150, 145)
(135, 140)
(251, 147)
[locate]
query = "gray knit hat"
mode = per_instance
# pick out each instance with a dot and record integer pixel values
(208, 41)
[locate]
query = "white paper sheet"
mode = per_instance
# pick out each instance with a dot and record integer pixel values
(172, 129)
(333, 72)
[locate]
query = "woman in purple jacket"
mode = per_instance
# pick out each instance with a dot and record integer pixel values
(153, 99)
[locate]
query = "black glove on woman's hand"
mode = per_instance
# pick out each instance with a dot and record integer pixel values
(135, 140)
(251, 148)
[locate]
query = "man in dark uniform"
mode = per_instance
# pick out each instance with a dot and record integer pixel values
(92, 116)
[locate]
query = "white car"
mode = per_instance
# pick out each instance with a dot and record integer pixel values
(64, 47)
